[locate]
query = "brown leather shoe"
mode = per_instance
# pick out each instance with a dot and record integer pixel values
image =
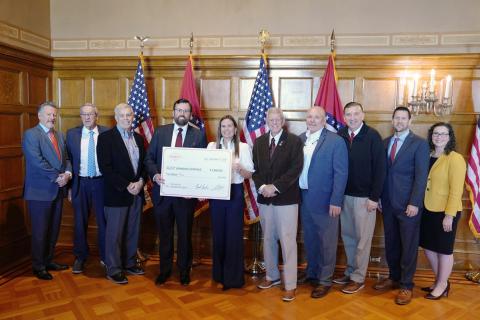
(403, 297)
(320, 291)
(353, 287)
(289, 295)
(386, 284)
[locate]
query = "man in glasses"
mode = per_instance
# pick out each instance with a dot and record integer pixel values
(171, 210)
(86, 191)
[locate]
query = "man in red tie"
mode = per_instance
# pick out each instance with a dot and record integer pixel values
(171, 210)
(47, 171)
(366, 175)
(402, 202)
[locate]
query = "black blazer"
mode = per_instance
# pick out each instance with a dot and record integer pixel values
(162, 137)
(283, 170)
(116, 167)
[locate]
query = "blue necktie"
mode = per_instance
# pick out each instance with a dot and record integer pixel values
(91, 167)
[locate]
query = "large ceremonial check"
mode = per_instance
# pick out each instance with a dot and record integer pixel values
(196, 173)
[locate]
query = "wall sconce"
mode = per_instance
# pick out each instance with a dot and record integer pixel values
(421, 97)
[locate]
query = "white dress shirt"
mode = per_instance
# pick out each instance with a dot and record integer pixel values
(244, 158)
(85, 139)
(308, 148)
(175, 133)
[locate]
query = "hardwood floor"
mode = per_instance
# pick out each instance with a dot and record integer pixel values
(91, 296)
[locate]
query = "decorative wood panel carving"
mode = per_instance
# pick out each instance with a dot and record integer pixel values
(72, 92)
(106, 92)
(10, 85)
(10, 129)
(37, 88)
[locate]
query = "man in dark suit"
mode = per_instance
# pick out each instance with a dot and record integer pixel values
(121, 154)
(86, 191)
(322, 183)
(402, 202)
(171, 210)
(278, 160)
(47, 171)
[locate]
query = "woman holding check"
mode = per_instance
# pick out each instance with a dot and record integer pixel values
(227, 215)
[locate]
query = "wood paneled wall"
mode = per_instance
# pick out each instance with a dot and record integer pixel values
(225, 84)
(25, 81)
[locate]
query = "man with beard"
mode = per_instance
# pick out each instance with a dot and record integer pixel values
(171, 210)
(402, 201)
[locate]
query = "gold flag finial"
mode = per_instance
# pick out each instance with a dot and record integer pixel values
(142, 40)
(191, 43)
(332, 41)
(263, 36)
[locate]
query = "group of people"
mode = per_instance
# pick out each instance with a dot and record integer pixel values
(329, 179)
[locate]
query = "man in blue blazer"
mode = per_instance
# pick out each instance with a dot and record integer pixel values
(402, 202)
(322, 183)
(171, 210)
(47, 172)
(86, 189)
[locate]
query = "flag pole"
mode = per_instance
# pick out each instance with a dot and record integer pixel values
(141, 257)
(257, 266)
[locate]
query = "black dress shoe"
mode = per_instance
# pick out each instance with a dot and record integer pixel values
(162, 278)
(185, 278)
(426, 289)
(56, 266)
(42, 274)
(118, 278)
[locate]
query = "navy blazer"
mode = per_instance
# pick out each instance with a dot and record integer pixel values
(327, 174)
(116, 167)
(194, 138)
(42, 165)
(74, 135)
(407, 175)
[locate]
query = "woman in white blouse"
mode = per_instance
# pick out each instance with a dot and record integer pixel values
(227, 215)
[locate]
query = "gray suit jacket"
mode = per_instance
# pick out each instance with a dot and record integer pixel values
(42, 165)
(327, 174)
(407, 175)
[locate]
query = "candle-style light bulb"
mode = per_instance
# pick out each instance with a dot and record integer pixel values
(432, 81)
(448, 84)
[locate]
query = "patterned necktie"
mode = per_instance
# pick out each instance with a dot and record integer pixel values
(91, 166)
(393, 150)
(272, 147)
(352, 135)
(178, 142)
(51, 136)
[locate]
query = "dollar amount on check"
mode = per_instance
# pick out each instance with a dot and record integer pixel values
(196, 173)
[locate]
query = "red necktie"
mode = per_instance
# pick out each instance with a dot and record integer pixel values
(272, 147)
(178, 142)
(393, 150)
(54, 141)
(352, 135)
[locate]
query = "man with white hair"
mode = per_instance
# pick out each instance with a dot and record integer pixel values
(121, 153)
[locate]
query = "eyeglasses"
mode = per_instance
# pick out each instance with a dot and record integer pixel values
(438, 134)
(181, 111)
(88, 114)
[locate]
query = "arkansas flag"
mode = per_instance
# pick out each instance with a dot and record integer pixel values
(328, 98)
(189, 92)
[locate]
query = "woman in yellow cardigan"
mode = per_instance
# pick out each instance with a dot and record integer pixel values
(443, 205)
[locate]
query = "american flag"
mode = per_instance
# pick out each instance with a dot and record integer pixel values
(254, 126)
(138, 100)
(473, 183)
(329, 99)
